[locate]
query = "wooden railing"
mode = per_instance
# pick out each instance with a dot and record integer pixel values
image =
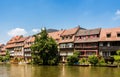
(109, 48)
(86, 46)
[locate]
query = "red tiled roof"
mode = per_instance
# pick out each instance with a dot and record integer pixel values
(12, 43)
(67, 40)
(14, 39)
(56, 35)
(29, 40)
(22, 39)
(112, 31)
(70, 31)
(1, 45)
(88, 32)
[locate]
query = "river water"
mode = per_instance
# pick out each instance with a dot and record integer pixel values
(56, 71)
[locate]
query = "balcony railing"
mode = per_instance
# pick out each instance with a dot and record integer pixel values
(2, 53)
(67, 47)
(27, 54)
(86, 46)
(110, 48)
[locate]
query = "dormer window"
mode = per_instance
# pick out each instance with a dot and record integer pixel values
(66, 37)
(88, 36)
(118, 34)
(62, 38)
(108, 35)
(80, 37)
(70, 37)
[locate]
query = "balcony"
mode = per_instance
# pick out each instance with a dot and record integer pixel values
(66, 47)
(2, 53)
(109, 48)
(27, 55)
(12, 54)
(27, 50)
(86, 46)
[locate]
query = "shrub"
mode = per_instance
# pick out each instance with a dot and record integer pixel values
(93, 59)
(72, 59)
(83, 60)
(102, 61)
(117, 58)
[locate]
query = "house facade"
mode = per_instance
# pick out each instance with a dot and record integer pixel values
(2, 50)
(11, 45)
(109, 42)
(99, 41)
(67, 43)
(87, 42)
(27, 50)
(19, 47)
(15, 46)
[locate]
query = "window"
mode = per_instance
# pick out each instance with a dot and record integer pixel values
(101, 44)
(62, 38)
(66, 37)
(97, 35)
(62, 45)
(118, 34)
(88, 36)
(108, 35)
(70, 45)
(70, 37)
(80, 37)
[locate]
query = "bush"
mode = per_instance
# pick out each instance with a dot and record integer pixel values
(1, 59)
(72, 59)
(93, 59)
(117, 58)
(83, 61)
(118, 52)
(102, 61)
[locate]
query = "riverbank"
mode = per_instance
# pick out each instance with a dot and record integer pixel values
(65, 64)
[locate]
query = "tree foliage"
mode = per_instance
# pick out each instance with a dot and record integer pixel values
(1, 58)
(7, 57)
(117, 57)
(74, 58)
(44, 49)
(118, 52)
(93, 59)
(83, 61)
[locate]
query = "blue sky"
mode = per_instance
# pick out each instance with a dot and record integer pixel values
(28, 16)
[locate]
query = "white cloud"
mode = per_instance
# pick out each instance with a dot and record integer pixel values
(17, 31)
(117, 15)
(118, 12)
(36, 30)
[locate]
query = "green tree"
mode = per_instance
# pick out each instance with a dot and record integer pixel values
(73, 58)
(1, 58)
(118, 52)
(117, 57)
(7, 56)
(102, 61)
(44, 49)
(93, 59)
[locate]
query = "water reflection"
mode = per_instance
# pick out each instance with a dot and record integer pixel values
(56, 71)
